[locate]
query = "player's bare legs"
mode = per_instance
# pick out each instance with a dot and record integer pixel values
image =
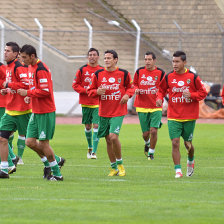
(190, 160)
(176, 156)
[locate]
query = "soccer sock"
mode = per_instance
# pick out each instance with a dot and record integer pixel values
(45, 161)
(190, 160)
(11, 153)
(177, 168)
(89, 138)
(10, 163)
(57, 158)
(11, 137)
(114, 165)
(95, 139)
(4, 166)
(119, 161)
(147, 142)
(55, 168)
(151, 151)
(21, 145)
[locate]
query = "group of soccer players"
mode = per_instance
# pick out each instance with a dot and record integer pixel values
(27, 86)
(105, 92)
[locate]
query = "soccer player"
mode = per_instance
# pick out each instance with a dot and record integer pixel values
(185, 91)
(114, 86)
(17, 112)
(222, 95)
(146, 83)
(90, 105)
(42, 122)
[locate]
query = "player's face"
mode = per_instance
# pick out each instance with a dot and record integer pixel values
(110, 61)
(93, 58)
(9, 54)
(178, 65)
(149, 62)
(26, 58)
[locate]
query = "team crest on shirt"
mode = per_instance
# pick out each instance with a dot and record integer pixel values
(119, 80)
(143, 76)
(111, 80)
(188, 81)
(104, 79)
(156, 78)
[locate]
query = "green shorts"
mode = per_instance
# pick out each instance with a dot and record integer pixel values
(2, 111)
(109, 125)
(90, 115)
(13, 123)
(184, 129)
(150, 120)
(41, 126)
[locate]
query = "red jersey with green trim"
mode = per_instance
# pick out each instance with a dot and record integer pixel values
(41, 88)
(16, 77)
(148, 83)
(2, 79)
(81, 82)
(117, 83)
(180, 107)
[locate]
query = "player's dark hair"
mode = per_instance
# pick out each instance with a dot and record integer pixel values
(93, 49)
(28, 49)
(113, 52)
(151, 53)
(14, 46)
(180, 54)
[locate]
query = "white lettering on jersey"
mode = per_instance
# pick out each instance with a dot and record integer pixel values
(179, 90)
(43, 80)
(110, 87)
(152, 90)
(147, 83)
(181, 99)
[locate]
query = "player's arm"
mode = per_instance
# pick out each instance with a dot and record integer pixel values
(163, 86)
(76, 85)
(200, 92)
(22, 80)
(129, 90)
(2, 76)
(135, 83)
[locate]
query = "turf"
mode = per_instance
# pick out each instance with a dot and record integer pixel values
(148, 194)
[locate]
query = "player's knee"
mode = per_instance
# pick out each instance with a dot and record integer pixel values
(3, 140)
(145, 135)
(113, 137)
(153, 131)
(30, 142)
(175, 142)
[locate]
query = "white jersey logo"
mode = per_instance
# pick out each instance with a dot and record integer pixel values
(180, 83)
(149, 78)
(111, 80)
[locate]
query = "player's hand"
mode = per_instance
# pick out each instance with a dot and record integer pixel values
(101, 91)
(22, 92)
(124, 99)
(3, 92)
(186, 93)
(137, 91)
(159, 103)
(27, 99)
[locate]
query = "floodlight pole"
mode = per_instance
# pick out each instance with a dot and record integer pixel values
(137, 42)
(180, 34)
(40, 38)
(90, 32)
(2, 40)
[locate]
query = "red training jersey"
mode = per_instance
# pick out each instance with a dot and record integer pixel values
(81, 82)
(180, 107)
(41, 88)
(16, 77)
(2, 79)
(222, 95)
(117, 83)
(148, 83)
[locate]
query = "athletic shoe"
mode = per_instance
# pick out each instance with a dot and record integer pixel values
(89, 153)
(55, 178)
(3, 174)
(151, 157)
(178, 175)
(113, 172)
(15, 161)
(121, 170)
(47, 172)
(11, 169)
(61, 162)
(190, 170)
(93, 155)
(20, 162)
(146, 150)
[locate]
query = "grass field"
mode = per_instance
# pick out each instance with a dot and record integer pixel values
(148, 194)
